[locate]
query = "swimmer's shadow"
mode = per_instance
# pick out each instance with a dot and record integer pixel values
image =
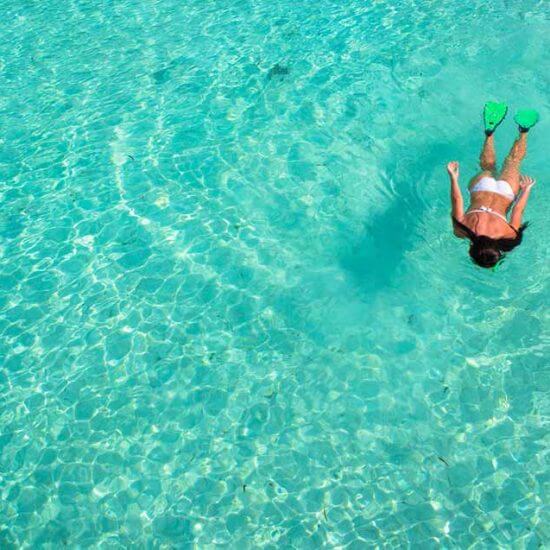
(376, 256)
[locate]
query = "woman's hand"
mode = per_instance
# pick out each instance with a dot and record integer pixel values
(526, 182)
(457, 203)
(452, 169)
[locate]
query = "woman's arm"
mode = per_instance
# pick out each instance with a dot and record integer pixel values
(526, 183)
(457, 203)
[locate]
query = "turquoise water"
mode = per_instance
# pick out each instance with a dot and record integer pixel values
(231, 308)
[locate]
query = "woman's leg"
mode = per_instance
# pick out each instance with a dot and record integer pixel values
(510, 169)
(488, 158)
(487, 161)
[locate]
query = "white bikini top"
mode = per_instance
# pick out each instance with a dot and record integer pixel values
(489, 211)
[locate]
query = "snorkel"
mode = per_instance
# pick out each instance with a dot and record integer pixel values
(496, 267)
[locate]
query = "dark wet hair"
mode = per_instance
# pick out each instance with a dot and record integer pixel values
(484, 252)
(487, 252)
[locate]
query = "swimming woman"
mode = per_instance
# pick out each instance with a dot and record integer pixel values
(492, 194)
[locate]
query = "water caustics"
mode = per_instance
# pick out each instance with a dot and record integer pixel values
(232, 311)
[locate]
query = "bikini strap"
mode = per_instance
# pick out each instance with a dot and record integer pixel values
(489, 211)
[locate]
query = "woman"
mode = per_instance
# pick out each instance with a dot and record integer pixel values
(491, 195)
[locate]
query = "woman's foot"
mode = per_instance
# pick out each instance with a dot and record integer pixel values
(493, 114)
(526, 119)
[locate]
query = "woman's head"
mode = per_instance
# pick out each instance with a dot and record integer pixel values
(485, 254)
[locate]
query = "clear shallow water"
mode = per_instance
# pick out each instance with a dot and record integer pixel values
(231, 309)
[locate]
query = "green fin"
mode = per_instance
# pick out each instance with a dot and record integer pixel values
(526, 119)
(493, 115)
